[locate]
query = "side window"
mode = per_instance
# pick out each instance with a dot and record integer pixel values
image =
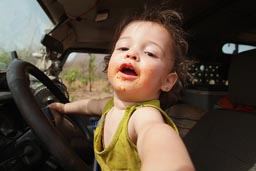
(233, 48)
(84, 77)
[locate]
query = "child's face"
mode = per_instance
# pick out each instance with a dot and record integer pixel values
(141, 63)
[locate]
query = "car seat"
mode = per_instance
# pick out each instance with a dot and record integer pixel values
(224, 139)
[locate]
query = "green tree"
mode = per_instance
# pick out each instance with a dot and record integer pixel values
(5, 59)
(71, 75)
(91, 70)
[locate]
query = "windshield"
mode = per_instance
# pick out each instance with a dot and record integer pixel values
(23, 23)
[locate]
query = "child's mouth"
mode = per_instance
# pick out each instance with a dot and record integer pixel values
(128, 69)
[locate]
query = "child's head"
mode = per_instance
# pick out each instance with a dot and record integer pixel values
(170, 23)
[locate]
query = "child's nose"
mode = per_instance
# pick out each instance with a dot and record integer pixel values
(132, 55)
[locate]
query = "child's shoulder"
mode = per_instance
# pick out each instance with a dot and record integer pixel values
(147, 114)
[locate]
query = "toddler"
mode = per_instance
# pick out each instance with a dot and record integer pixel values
(134, 133)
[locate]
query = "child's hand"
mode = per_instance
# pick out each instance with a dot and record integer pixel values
(57, 106)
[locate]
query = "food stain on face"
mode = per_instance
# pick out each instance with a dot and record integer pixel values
(122, 88)
(120, 78)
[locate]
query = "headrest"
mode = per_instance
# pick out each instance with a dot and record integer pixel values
(242, 79)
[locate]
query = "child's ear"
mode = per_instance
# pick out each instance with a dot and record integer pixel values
(169, 82)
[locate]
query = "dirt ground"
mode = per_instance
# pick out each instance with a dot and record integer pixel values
(100, 89)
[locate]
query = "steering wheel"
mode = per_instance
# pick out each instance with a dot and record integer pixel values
(18, 81)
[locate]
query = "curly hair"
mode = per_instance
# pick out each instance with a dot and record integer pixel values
(171, 20)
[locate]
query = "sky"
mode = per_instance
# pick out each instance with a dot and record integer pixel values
(22, 24)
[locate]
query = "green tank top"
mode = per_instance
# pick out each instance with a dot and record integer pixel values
(121, 154)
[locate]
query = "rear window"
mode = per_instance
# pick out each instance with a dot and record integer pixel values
(233, 48)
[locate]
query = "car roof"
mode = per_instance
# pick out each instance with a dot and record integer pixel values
(209, 23)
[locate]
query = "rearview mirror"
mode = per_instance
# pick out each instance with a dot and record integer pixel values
(52, 44)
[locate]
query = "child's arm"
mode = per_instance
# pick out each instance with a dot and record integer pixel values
(159, 146)
(85, 106)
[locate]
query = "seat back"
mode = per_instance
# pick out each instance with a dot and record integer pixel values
(225, 139)
(241, 77)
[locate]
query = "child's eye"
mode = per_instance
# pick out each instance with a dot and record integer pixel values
(123, 48)
(150, 54)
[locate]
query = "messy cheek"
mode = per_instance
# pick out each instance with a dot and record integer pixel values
(121, 88)
(116, 83)
(149, 74)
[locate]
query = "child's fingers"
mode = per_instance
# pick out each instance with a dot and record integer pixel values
(57, 106)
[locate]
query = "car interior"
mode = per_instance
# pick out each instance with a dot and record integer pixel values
(224, 135)
(215, 116)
